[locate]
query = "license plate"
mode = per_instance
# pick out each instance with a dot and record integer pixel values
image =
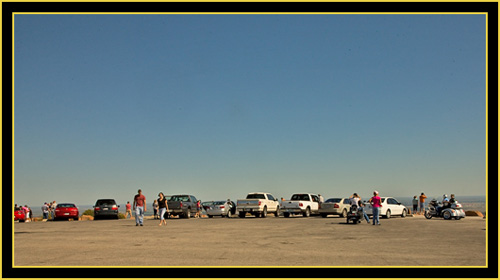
(104, 208)
(248, 209)
(66, 213)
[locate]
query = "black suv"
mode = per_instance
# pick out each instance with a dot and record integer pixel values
(105, 208)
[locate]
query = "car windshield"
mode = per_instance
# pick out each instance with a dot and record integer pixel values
(179, 198)
(65, 205)
(300, 197)
(334, 200)
(256, 195)
(106, 202)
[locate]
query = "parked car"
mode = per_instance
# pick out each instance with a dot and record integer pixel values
(66, 211)
(206, 204)
(258, 204)
(335, 206)
(390, 207)
(183, 205)
(106, 208)
(19, 215)
(221, 208)
(301, 203)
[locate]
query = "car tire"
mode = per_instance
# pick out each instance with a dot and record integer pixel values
(22, 221)
(210, 216)
(264, 212)
(277, 213)
(242, 214)
(403, 215)
(228, 214)
(187, 215)
(286, 214)
(344, 213)
(388, 214)
(324, 215)
(307, 213)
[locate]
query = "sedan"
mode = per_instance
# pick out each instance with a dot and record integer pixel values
(66, 211)
(335, 206)
(390, 207)
(19, 215)
(221, 208)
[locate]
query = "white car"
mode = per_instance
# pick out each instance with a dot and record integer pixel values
(390, 207)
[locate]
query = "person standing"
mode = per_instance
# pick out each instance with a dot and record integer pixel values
(155, 209)
(139, 207)
(376, 203)
(422, 198)
(128, 210)
(26, 211)
(53, 207)
(415, 204)
(45, 211)
(163, 206)
(321, 198)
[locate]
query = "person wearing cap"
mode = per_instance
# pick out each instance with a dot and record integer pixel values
(376, 203)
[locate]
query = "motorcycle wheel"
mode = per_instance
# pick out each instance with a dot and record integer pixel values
(447, 215)
(427, 215)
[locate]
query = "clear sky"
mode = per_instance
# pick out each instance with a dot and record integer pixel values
(221, 105)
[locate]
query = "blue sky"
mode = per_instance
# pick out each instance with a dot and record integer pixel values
(222, 105)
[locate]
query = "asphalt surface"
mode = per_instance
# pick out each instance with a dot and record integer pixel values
(254, 242)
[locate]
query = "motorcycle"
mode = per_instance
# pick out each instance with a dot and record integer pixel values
(355, 215)
(436, 209)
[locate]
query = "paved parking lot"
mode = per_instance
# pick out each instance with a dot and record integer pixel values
(255, 242)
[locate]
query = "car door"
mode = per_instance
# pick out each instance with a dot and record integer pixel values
(272, 203)
(314, 203)
(393, 205)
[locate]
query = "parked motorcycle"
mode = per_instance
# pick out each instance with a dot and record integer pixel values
(436, 209)
(355, 215)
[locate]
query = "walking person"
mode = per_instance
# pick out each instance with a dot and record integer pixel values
(415, 204)
(376, 203)
(362, 209)
(139, 207)
(163, 206)
(128, 210)
(422, 198)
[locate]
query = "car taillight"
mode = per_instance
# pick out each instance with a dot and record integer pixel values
(181, 204)
(336, 205)
(98, 208)
(260, 202)
(57, 210)
(301, 204)
(114, 207)
(222, 207)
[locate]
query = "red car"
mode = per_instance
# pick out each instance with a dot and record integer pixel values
(66, 211)
(19, 216)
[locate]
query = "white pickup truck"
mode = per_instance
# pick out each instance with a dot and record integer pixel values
(301, 203)
(258, 204)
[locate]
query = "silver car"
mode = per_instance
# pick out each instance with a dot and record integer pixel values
(221, 208)
(335, 206)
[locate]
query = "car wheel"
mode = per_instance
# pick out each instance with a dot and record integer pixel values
(324, 215)
(388, 214)
(307, 213)
(277, 213)
(21, 221)
(446, 215)
(344, 213)
(404, 213)
(242, 214)
(187, 215)
(210, 216)
(286, 214)
(264, 212)
(228, 214)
